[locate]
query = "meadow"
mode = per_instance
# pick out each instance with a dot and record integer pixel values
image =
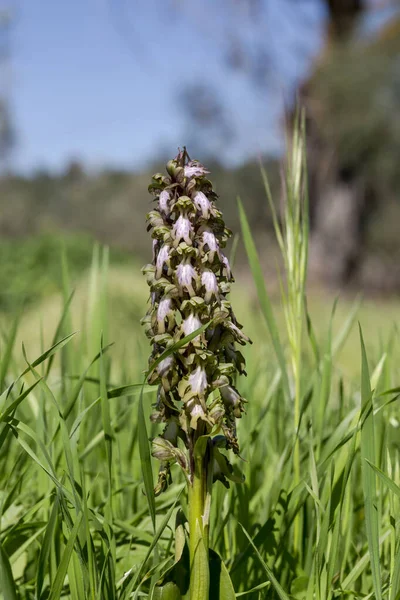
(317, 516)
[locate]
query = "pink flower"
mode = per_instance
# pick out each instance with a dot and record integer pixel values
(198, 381)
(194, 169)
(227, 267)
(211, 241)
(163, 308)
(185, 274)
(210, 283)
(202, 204)
(163, 202)
(190, 324)
(164, 366)
(162, 258)
(155, 248)
(163, 311)
(196, 413)
(182, 230)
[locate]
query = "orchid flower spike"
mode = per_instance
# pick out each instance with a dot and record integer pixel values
(189, 280)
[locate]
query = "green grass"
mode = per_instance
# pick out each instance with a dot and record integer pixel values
(30, 267)
(78, 518)
(75, 521)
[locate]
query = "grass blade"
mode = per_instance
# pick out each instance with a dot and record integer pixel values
(263, 297)
(56, 589)
(278, 588)
(367, 446)
(145, 461)
(7, 585)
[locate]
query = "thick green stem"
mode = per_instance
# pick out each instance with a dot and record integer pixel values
(199, 502)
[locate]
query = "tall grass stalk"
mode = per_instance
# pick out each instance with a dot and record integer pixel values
(292, 233)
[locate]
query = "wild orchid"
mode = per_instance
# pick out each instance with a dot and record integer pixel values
(197, 400)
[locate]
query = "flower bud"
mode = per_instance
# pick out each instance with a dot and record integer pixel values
(162, 449)
(232, 400)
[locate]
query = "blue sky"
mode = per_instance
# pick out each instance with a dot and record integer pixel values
(98, 80)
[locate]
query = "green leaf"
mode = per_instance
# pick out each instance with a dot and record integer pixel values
(56, 589)
(220, 582)
(278, 588)
(169, 591)
(145, 461)
(106, 419)
(226, 467)
(59, 329)
(130, 585)
(77, 389)
(7, 585)
(261, 586)
(395, 579)
(7, 352)
(344, 332)
(387, 481)
(48, 352)
(42, 564)
(199, 569)
(14, 405)
(361, 564)
(299, 586)
(368, 476)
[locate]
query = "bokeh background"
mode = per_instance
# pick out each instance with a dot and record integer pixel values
(95, 96)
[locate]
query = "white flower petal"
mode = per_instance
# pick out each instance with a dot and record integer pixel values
(197, 411)
(209, 281)
(182, 229)
(162, 258)
(185, 273)
(164, 366)
(226, 264)
(198, 381)
(202, 204)
(190, 324)
(163, 309)
(211, 241)
(194, 169)
(163, 201)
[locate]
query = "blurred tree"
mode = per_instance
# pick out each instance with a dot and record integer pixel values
(342, 17)
(6, 127)
(351, 91)
(74, 170)
(352, 101)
